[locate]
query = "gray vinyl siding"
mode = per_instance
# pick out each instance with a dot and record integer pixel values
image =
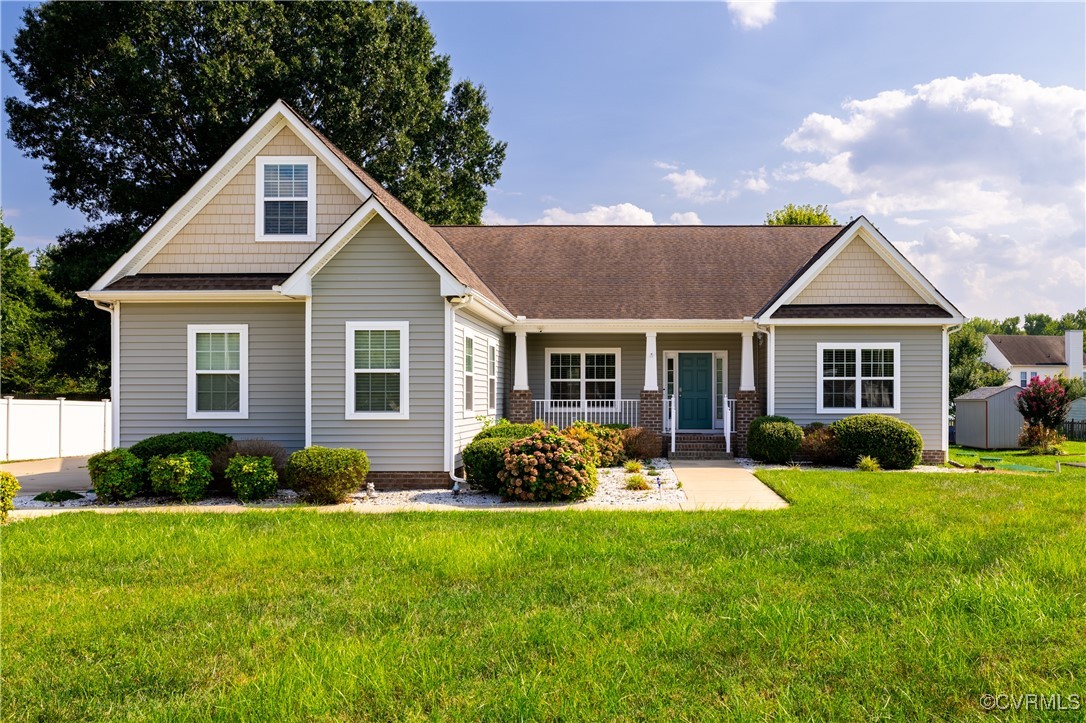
(922, 402)
(378, 277)
(154, 368)
(465, 424)
(632, 363)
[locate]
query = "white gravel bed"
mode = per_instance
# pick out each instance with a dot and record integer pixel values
(89, 499)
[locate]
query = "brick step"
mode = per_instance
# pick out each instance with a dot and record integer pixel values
(687, 454)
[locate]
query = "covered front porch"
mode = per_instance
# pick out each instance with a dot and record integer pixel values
(685, 381)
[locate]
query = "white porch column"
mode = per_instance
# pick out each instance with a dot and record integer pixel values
(651, 367)
(520, 362)
(746, 370)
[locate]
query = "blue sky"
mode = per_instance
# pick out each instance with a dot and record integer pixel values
(958, 129)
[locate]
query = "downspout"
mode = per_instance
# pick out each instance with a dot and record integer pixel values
(450, 357)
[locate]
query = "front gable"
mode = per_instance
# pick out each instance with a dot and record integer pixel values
(858, 275)
(222, 236)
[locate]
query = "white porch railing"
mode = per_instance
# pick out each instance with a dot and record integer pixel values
(671, 412)
(565, 413)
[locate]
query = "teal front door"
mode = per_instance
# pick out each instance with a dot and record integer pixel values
(696, 391)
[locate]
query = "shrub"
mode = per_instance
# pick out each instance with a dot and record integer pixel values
(162, 445)
(608, 441)
(641, 443)
(773, 439)
(56, 496)
(637, 482)
(1039, 439)
(9, 487)
(117, 475)
(327, 475)
(185, 475)
(894, 443)
(255, 447)
(819, 445)
(507, 430)
(252, 478)
(633, 466)
(617, 426)
(483, 460)
(1046, 401)
(867, 464)
(590, 443)
(547, 466)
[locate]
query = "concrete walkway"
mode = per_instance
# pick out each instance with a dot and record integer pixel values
(721, 484)
(46, 475)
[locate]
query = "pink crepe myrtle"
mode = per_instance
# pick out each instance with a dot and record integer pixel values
(1044, 402)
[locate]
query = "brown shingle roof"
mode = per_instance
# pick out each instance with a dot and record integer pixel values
(861, 311)
(1022, 350)
(426, 235)
(197, 282)
(636, 272)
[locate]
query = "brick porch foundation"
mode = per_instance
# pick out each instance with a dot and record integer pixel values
(651, 415)
(932, 456)
(520, 406)
(748, 406)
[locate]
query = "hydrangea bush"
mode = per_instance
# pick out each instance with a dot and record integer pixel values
(547, 466)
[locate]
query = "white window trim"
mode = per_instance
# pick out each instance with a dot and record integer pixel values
(243, 383)
(348, 338)
(618, 372)
(858, 348)
(491, 376)
(468, 374)
(311, 206)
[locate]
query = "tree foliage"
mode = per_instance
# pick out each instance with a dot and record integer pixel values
(129, 103)
(805, 215)
(967, 370)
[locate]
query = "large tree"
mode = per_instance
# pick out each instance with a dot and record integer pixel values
(805, 215)
(128, 103)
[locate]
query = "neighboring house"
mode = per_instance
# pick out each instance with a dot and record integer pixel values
(1026, 357)
(289, 296)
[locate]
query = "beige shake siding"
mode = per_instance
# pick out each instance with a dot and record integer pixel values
(922, 402)
(378, 277)
(154, 367)
(465, 424)
(858, 276)
(221, 238)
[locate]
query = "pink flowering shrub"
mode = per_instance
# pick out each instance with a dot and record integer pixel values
(1045, 402)
(547, 466)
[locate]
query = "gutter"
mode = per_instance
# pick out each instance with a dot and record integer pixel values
(451, 302)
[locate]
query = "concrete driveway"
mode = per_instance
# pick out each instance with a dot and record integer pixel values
(44, 475)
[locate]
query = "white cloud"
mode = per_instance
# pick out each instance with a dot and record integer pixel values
(691, 185)
(493, 218)
(689, 218)
(992, 166)
(665, 166)
(621, 214)
(752, 14)
(755, 181)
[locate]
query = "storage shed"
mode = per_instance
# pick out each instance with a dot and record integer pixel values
(987, 418)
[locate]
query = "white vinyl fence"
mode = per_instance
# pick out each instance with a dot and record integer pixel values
(42, 428)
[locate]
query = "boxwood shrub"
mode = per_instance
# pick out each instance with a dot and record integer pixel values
(162, 445)
(894, 443)
(508, 430)
(547, 466)
(773, 439)
(252, 478)
(9, 487)
(117, 475)
(185, 475)
(484, 459)
(327, 475)
(612, 452)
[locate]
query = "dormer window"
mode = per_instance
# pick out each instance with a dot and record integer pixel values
(286, 189)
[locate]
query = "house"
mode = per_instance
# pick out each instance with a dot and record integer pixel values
(289, 296)
(1026, 357)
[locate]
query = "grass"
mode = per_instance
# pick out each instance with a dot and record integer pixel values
(875, 596)
(1076, 452)
(636, 482)
(633, 466)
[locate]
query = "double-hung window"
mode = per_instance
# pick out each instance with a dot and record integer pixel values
(218, 371)
(377, 370)
(859, 377)
(469, 374)
(1023, 379)
(577, 378)
(491, 377)
(286, 192)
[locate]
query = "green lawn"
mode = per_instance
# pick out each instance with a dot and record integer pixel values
(1076, 452)
(887, 595)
